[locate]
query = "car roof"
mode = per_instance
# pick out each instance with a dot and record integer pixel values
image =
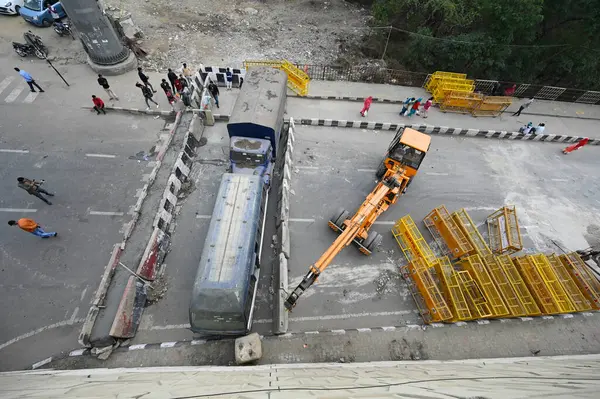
(415, 139)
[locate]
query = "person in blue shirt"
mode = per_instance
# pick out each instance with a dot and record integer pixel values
(228, 79)
(30, 81)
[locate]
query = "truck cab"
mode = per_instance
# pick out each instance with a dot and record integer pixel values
(251, 156)
(407, 149)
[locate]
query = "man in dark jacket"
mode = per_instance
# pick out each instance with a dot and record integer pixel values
(34, 188)
(165, 86)
(145, 80)
(147, 93)
(172, 78)
(214, 91)
(104, 83)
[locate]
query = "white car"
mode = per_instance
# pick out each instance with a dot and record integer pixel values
(10, 7)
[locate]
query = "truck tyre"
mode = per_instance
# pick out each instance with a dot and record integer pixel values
(369, 240)
(380, 170)
(375, 242)
(337, 214)
(340, 220)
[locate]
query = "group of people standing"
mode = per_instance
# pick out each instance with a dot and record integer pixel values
(410, 106)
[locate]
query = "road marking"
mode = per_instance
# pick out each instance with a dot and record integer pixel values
(41, 363)
(460, 324)
(77, 352)
(563, 180)
(6, 82)
(437, 325)
(338, 331)
(167, 344)
(311, 332)
(40, 330)
(385, 222)
(137, 346)
(366, 170)
(83, 293)
(14, 94)
(203, 216)
(30, 97)
(526, 318)
(390, 328)
(198, 341)
(72, 319)
(307, 167)
(363, 330)
(26, 210)
(101, 213)
(15, 151)
(300, 220)
(172, 327)
(481, 208)
(100, 156)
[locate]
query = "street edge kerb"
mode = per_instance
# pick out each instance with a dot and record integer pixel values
(133, 300)
(109, 270)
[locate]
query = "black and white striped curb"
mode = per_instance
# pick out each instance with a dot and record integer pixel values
(444, 131)
(348, 331)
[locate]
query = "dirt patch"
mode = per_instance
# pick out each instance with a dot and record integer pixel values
(247, 144)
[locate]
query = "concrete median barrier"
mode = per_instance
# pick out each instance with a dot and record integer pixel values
(131, 307)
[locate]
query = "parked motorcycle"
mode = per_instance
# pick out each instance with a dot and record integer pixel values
(34, 46)
(63, 29)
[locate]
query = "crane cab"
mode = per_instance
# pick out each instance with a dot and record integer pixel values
(407, 149)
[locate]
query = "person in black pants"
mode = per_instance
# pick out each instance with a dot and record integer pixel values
(172, 78)
(214, 91)
(145, 80)
(34, 188)
(147, 93)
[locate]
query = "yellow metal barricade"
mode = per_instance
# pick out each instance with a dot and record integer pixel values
(446, 233)
(585, 280)
(297, 81)
(555, 287)
(475, 299)
(434, 79)
(537, 287)
(503, 229)
(461, 102)
(506, 289)
(519, 286)
(437, 308)
(578, 300)
(492, 106)
(452, 291)
(475, 266)
(444, 88)
(411, 241)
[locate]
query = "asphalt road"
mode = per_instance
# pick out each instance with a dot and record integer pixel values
(46, 285)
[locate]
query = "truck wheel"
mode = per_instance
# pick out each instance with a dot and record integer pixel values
(337, 214)
(340, 220)
(375, 242)
(369, 240)
(380, 170)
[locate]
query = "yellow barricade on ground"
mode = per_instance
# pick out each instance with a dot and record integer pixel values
(298, 80)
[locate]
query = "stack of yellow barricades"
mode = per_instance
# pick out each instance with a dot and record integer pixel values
(298, 80)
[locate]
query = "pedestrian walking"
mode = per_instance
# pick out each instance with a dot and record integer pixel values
(104, 83)
(366, 106)
(172, 76)
(576, 146)
(523, 106)
(406, 105)
(145, 80)
(178, 85)
(228, 79)
(509, 92)
(165, 86)
(34, 188)
(214, 91)
(241, 82)
(415, 107)
(187, 72)
(98, 105)
(147, 93)
(31, 226)
(30, 81)
(184, 82)
(426, 107)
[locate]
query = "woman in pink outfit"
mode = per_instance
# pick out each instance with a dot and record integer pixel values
(426, 107)
(366, 106)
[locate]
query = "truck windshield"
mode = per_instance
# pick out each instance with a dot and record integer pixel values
(408, 156)
(247, 158)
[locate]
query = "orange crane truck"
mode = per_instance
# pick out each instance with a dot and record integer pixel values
(395, 173)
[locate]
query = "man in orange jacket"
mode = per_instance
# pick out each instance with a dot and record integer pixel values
(31, 226)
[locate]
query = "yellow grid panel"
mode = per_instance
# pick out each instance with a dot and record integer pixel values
(475, 298)
(503, 285)
(419, 272)
(587, 282)
(419, 300)
(436, 77)
(556, 289)
(536, 285)
(464, 222)
(475, 265)
(451, 288)
(444, 229)
(515, 279)
(578, 300)
(503, 229)
(411, 235)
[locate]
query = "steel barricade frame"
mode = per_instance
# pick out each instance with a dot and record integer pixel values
(443, 228)
(587, 282)
(503, 231)
(476, 300)
(519, 286)
(435, 302)
(589, 97)
(452, 291)
(577, 298)
(549, 93)
(511, 299)
(536, 284)
(478, 271)
(556, 289)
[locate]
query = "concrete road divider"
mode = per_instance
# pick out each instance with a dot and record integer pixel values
(130, 309)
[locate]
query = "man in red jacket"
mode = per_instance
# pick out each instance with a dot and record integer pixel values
(98, 105)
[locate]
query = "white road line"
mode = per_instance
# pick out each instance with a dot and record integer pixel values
(311, 332)
(366, 170)
(385, 222)
(171, 327)
(481, 208)
(389, 328)
(39, 330)
(100, 155)
(83, 293)
(300, 220)
(167, 344)
(203, 216)
(363, 330)
(25, 210)
(198, 341)
(6, 82)
(41, 363)
(338, 331)
(307, 167)
(436, 174)
(136, 347)
(77, 352)
(72, 319)
(15, 151)
(30, 97)
(101, 213)
(14, 94)
(562, 180)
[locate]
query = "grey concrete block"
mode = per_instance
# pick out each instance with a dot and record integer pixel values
(285, 238)
(283, 272)
(248, 349)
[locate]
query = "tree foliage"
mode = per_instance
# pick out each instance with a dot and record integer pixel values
(551, 42)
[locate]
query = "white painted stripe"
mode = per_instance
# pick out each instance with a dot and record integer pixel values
(307, 167)
(567, 316)
(41, 363)
(102, 213)
(436, 174)
(363, 330)
(18, 210)
(300, 220)
(385, 222)
(587, 314)
(561, 180)
(14, 94)
(30, 97)
(481, 322)
(460, 324)
(481, 208)
(413, 326)
(39, 330)
(389, 328)
(6, 82)
(436, 325)
(74, 315)
(171, 327)
(198, 341)
(311, 332)
(526, 318)
(77, 352)
(137, 346)
(505, 320)
(203, 216)
(338, 331)
(286, 335)
(349, 316)
(548, 317)
(367, 170)
(100, 156)
(167, 344)
(16, 151)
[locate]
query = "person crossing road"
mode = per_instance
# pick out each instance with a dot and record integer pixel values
(31, 226)
(34, 188)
